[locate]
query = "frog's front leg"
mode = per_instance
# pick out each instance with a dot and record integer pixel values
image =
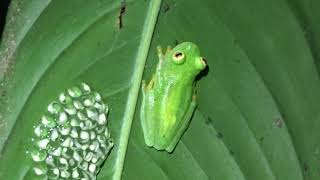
(185, 123)
(161, 55)
(146, 111)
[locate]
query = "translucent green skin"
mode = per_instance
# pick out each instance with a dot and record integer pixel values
(169, 98)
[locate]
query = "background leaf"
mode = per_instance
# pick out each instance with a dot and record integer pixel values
(260, 96)
(257, 115)
(60, 49)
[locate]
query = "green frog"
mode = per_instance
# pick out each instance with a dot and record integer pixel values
(169, 99)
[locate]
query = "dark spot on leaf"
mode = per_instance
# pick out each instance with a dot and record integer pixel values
(121, 13)
(209, 120)
(261, 139)
(231, 152)
(305, 167)
(166, 7)
(278, 123)
(3, 93)
(219, 135)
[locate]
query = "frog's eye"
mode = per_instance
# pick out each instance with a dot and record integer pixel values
(178, 57)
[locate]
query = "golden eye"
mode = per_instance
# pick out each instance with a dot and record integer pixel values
(178, 57)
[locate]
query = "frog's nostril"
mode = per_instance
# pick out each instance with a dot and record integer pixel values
(203, 61)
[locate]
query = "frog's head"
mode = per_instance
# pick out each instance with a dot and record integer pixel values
(186, 56)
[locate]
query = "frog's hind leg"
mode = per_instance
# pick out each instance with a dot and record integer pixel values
(146, 120)
(185, 123)
(143, 112)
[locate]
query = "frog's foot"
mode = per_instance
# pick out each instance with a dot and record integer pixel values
(194, 95)
(143, 85)
(169, 48)
(151, 83)
(160, 53)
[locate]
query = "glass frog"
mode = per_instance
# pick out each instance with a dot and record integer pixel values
(169, 99)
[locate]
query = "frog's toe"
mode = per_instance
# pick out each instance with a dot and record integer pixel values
(169, 48)
(159, 50)
(194, 97)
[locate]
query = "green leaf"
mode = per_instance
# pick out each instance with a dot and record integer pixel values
(260, 96)
(257, 115)
(62, 48)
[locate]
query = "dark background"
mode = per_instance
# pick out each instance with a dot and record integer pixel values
(4, 4)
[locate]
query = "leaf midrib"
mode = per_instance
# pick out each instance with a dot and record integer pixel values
(147, 32)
